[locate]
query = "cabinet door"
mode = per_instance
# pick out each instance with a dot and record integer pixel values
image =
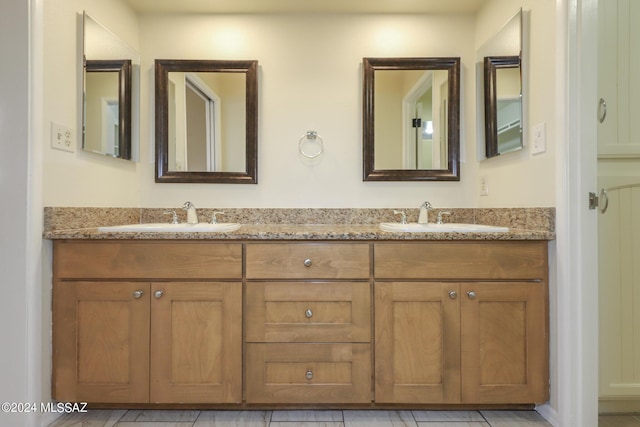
(618, 85)
(504, 343)
(417, 342)
(196, 342)
(101, 342)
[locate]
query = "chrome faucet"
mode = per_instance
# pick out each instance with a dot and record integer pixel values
(174, 216)
(192, 214)
(439, 220)
(214, 217)
(403, 216)
(423, 218)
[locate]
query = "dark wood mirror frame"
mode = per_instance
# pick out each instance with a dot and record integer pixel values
(123, 68)
(370, 66)
(162, 69)
(491, 65)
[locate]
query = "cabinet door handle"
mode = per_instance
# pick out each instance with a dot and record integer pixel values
(471, 295)
(307, 262)
(453, 294)
(308, 313)
(137, 294)
(158, 294)
(309, 374)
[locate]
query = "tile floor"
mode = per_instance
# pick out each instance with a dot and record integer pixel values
(328, 418)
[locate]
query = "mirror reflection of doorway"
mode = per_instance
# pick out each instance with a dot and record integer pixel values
(424, 117)
(194, 136)
(111, 126)
(202, 126)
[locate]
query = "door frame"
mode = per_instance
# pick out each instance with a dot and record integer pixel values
(576, 243)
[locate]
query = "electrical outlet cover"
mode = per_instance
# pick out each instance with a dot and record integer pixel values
(62, 138)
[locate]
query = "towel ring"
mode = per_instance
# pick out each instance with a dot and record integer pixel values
(311, 145)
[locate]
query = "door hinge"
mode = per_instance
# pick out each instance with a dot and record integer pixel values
(416, 123)
(593, 201)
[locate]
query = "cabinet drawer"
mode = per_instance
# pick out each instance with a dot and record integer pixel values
(307, 261)
(147, 260)
(461, 260)
(308, 312)
(308, 373)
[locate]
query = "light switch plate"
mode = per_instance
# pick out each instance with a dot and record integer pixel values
(62, 138)
(484, 186)
(538, 138)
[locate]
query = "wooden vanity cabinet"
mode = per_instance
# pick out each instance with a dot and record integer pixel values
(301, 323)
(308, 323)
(147, 322)
(461, 322)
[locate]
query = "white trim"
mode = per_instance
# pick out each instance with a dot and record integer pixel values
(549, 414)
(38, 284)
(577, 287)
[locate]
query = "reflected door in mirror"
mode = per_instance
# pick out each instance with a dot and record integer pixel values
(411, 103)
(206, 122)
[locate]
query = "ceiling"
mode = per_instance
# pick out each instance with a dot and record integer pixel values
(306, 6)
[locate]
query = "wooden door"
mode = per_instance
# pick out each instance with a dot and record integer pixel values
(196, 342)
(417, 342)
(618, 85)
(101, 342)
(504, 343)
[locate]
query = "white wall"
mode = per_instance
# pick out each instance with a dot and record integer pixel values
(520, 178)
(310, 78)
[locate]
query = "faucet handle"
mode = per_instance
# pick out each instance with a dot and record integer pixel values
(214, 219)
(403, 216)
(174, 216)
(439, 220)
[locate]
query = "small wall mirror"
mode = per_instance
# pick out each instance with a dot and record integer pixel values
(206, 121)
(500, 65)
(411, 119)
(108, 68)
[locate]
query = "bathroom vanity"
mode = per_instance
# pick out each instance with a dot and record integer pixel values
(300, 316)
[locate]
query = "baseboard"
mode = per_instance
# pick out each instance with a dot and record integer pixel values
(619, 406)
(549, 414)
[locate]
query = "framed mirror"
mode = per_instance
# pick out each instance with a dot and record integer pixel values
(206, 121)
(502, 104)
(108, 68)
(501, 109)
(411, 119)
(107, 106)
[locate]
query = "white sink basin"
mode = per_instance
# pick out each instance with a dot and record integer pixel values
(158, 227)
(413, 227)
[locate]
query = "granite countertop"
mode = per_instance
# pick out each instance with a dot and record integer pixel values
(82, 223)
